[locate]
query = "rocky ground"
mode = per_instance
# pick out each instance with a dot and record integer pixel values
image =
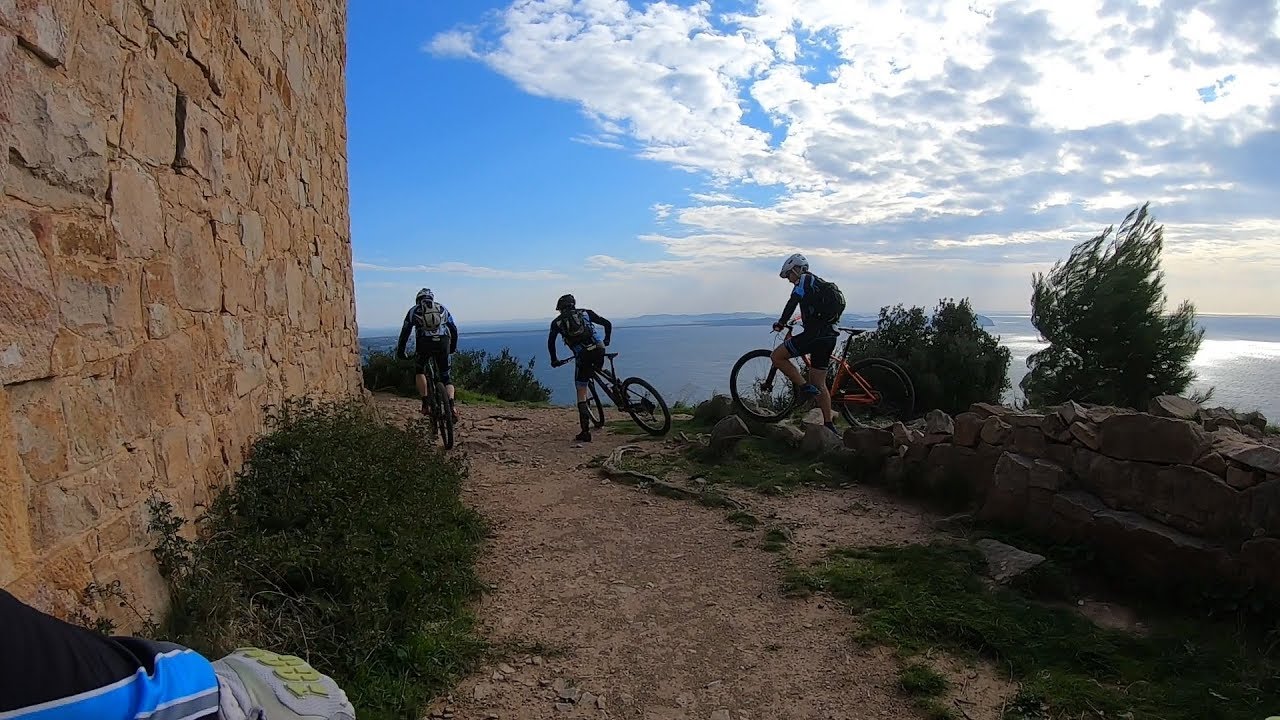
(626, 604)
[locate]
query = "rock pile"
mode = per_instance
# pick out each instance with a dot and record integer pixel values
(1177, 495)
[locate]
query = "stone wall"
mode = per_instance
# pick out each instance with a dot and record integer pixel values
(1172, 498)
(174, 254)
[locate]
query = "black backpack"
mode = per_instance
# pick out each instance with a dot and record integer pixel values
(826, 302)
(575, 326)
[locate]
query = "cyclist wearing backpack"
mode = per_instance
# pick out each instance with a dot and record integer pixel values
(436, 336)
(577, 327)
(821, 304)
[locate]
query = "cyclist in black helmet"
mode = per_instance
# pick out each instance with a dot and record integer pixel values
(435, 337)
(577, 327)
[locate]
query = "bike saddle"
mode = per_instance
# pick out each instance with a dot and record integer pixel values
(852, 331)
(611, 355)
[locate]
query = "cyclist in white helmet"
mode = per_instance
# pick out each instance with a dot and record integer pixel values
(435, 336)
(820, 305)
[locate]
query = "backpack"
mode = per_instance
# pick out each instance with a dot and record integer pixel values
(826, 302)
(575, 326)
(430, 316)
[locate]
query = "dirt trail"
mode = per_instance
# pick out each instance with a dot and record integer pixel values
(656, 606)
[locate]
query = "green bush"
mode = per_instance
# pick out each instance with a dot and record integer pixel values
(500, 376)
(952, 361)
(343, 541)
(1103, 313)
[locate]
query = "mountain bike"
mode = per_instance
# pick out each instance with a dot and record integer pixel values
(635, 395)
(441, 420)
(862, 389)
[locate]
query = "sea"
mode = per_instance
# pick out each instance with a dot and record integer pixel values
(1239, 357)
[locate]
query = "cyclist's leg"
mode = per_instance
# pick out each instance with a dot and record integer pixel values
(446, 377)
(587, 362)
(798, 345)
(420, 360)
(819, 359)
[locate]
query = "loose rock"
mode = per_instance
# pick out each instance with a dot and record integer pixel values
(1005, 562)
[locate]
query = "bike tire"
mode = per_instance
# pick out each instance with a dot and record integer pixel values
(595, 409)
(902, 403)
(445, 423)
(737, 393)
(661, 429)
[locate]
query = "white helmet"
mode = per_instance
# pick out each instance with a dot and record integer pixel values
(795, 261)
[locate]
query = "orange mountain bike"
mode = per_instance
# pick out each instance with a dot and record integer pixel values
(860, 390)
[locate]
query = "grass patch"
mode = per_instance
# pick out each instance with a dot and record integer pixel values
(344, 541)
(743, 519)
(469, 397)
(927, 596)
(919, 680)
(765, 467)
(775, 539)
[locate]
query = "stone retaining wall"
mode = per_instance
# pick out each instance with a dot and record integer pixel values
(174, 254)
(1178, 496)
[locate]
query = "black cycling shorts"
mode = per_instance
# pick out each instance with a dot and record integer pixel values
(818, 344)
(437, 350)
(589, 361)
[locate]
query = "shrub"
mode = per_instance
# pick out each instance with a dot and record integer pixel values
(343, 541)
(1103, 313)
(500, 376)
(950, 358)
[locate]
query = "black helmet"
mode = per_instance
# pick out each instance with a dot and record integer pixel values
(566, 302)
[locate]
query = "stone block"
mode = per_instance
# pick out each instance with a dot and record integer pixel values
(149, 130)
(136, 217)
(1152, 439)
(93, 420)
(1172, 406)
(28, 307)
(197, 271)
(968, 429)
(39, 429)
(995, 431)
(1006, 501)
(1029, 441)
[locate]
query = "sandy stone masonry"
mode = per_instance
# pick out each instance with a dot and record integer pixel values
(174, 254)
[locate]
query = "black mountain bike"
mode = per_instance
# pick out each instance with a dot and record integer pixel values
(441, 419)
(634, 395)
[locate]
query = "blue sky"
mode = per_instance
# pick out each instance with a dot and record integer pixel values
(666, 157)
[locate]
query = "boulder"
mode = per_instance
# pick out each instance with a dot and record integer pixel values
(1085, 434)
(968, 429)
(1063, 455)
(1185, 497)
(1018, 420)
(1253, 419)
(1218, 418)
(710, 412)
(726, 434)
(1214, 463)
(995, 431)
(874, 442)
(1071, 411)
(937, 422)
(1152, 439)
(903, 435)
(1006, 499)
(818, 439)
(1260, 560)
(1242, 478)
(1005, 562)
(1244, 450)
(1172, 406)
(783, 432)
(986, 410)
(1028, 440)
(1055, 428)
(1262, 508)
(1153, 554)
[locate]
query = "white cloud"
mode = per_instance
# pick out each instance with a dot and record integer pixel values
(990, 131)
(457, 268)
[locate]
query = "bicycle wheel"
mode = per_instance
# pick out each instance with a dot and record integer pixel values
(759, 389)
(595, 409)
(445, 422)
(874, 389)
(645, 406)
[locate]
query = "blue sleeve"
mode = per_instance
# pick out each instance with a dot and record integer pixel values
(800, 288)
